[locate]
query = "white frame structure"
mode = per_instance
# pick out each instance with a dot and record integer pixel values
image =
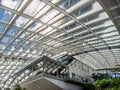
(30, 29)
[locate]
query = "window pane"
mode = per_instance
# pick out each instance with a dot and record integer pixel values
(5, 16)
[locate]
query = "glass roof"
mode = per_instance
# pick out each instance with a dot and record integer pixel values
(32, 28)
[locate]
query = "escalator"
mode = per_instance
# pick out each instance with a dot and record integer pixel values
(51, 68)
(56, 70)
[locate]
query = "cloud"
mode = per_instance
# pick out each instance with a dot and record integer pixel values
(13, 5)
(21, 21)
(34, 7)
(10, 3)
(30, 10)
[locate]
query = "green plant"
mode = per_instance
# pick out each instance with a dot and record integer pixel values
(89, 86)
(24, 89)
(6, 89)
(116, 81)
(113, 88)
(97, 85)
(107, 84)
(100, 76)
(18, 87)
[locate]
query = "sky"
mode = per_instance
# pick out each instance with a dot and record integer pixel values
(4, 16)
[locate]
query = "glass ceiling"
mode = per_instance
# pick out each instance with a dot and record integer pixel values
(32, 28)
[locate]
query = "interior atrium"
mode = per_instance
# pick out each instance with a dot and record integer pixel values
(88, 31)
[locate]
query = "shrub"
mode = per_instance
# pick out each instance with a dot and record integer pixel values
(100, 76)
(97, 84)
(18, 87)
(116, 81)
(107, 84)
(89, 86)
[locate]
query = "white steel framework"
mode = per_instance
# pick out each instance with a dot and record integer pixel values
(87, 29)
